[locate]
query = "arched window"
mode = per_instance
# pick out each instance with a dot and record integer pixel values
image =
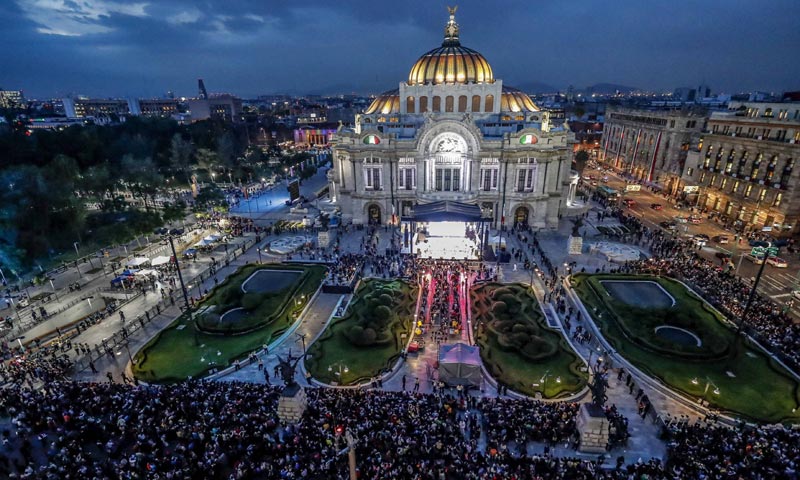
(448, 103)
(488, 106)
(437, 104)
(462, 103)
(367, 120)
(423, 104)
(476, 103)
(409, 104)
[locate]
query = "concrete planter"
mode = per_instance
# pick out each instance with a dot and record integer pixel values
(575, 245)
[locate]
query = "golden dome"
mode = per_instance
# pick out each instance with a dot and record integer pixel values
(386, 102)
(514, 100)
(450, 63)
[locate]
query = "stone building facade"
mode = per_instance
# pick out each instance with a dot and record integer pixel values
(745, 167)
(453, 132)
(650, 145)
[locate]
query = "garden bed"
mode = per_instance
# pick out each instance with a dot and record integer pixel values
(730, 365)
(518, 348)
(370, 336)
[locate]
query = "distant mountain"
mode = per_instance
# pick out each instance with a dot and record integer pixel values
(610, 88)
(536, 87)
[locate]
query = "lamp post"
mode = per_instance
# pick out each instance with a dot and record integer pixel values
(258, 249)
(543, 381)
(708, 384)
(302, 337)
(752, 295)
(339, 371)
(54, 288)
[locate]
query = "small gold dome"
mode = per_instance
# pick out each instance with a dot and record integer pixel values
(385, 103)
(514, 100)
(451, 63)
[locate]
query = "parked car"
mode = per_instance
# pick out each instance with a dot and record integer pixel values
(161, 231)
(628, 202)
(777, 262)
(700, 240)
(656, 206)
(758, 260)
(721, 239)
(176, 231)
(695, 220)
(679, 219)
(668, 225)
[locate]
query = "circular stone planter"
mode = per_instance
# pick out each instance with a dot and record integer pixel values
(679, 336)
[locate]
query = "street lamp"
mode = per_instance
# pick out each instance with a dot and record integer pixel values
(708, 384)
(77, 254)
(341, 369)
(258, 249)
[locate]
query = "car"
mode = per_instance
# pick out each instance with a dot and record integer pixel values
(695, 220)
(190, 253)
(796, 294)
(701, 239)
(594, 183)
(604, 179)
(758, 260)
(656, 206)
(668, 225)
(628, 202)
(679, 219)
(161, 231)
(721, 239)
(777, 262)
(176, 231)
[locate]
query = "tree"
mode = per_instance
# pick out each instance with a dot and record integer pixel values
(580, 160)
(181, 153)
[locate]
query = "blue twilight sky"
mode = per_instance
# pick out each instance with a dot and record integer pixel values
(250, 47)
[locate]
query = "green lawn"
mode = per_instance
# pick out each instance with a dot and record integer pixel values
(750, 384)
(335, 349)
(517, 346)
(180, 350)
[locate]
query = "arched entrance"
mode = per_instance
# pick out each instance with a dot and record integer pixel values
(374, 214)
(521, 216)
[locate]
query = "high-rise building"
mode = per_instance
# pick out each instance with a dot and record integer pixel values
(452, 132)
(219, 106)
(11, 98)
(745, 167)
(650, 145)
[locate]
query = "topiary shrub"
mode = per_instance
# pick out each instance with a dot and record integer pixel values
(499, 308)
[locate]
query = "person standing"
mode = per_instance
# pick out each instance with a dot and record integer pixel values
(404, 383)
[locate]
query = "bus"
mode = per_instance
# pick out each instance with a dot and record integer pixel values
(608, 193)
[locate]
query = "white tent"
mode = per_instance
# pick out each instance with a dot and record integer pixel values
(162, 260)
(137, 261)
(146, 273)
(203, 243)
(460, 364)
(212, 238)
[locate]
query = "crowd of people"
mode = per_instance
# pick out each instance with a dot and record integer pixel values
(231, 430)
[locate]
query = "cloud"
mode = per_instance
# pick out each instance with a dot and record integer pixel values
(74, 18)
(185, 17)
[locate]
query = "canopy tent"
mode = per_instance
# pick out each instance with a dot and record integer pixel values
(162, 260)
(203, 243)
(447, 211)
(460, 364)
(137, 261)
(212, 238)
(146, 272)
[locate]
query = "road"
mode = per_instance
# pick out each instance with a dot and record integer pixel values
(776, 283)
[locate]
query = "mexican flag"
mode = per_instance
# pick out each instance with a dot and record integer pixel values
(372, 140)
(528, 139)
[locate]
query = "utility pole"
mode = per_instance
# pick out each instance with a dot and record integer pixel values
(180, 276)
(351, 455)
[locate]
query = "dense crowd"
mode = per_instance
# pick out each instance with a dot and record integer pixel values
(231, 430)
(345, 269)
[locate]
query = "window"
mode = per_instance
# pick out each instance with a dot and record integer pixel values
(462, 103)
(707, 160)
(437, 104)
(736, 186)
(742, 163)
(756, 164)
(448, 103)
(747, 191)
(702, 177)
(762, 194)
(410, 104)
(489, 178)
(718, 160)
(778, 199)
(768, 112)
(448, 179)
(771, 169)
(372, 178)
(408, 178)
(423, 104)
(476, 103)
(525, 178)
(488, 106)
(787, 172)
(729, 164)
(689, 171)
